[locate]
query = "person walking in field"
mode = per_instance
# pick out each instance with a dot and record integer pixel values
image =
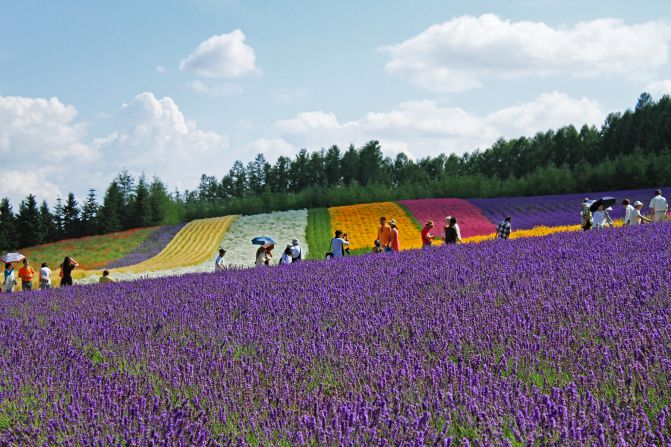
(628, 209)
(586, 215)
(105, 278)
(296, 251)
(10, 279)
(427, 237)
(264, 254)
(67, 267)
(636, 218)
(45, 276)
(504, 228)
(395, 241)
(219, 263)
(601, 218)
(338, 245)
(658, 207)
(26, 273)
(384, 234)
(286, 259)
(452, 232)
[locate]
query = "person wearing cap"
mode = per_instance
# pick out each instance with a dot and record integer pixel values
(627, 211)
(219, 264)
(658, 207)
(427, 237)
(296, 251)
(384, 234)
(504, 228)
(636, 217)
(395, 241)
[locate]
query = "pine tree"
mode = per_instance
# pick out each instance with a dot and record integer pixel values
(27, 222)
(8, 238)
(90, 214)
(71, 219)
(140, 211)
(46, 228)
(59, 221)
(110, 217)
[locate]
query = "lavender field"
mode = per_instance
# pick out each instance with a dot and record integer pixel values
(561, 340)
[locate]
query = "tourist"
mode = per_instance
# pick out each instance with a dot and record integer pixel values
(395, 241)
(105, 278)
(296, 251)
(636, 216)
(264, 254)
(658, 207)
(627, 211)
(346, 249)
(45, 276)
(452, 232)
(10, 280)
(377, 247)
(219, 264)
(601, 218)
(26, 273)
(384, 234)
(338, 245)
(67, 267)
(504, 228)
(586, 215)
(286, 258)
(427, 237)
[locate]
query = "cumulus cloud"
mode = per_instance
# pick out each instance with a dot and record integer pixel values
(225, 89)
(460, 54)
(659, 88)
(422, 128)
(153, 136)
(271, 148)
(222, 56)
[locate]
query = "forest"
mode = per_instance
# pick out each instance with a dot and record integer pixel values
(630, 150)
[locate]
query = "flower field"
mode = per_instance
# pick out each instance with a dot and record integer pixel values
(554, 210)
(551, 347)
(362, 222)
(282, 226)
(149, 248)
(471, 220)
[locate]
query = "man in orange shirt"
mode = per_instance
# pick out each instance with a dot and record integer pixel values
(384, 234)
(26, 274)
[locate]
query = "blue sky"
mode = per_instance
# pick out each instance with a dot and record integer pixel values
(87, 88)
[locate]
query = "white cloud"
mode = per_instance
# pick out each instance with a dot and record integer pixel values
(225, 89)
(271, 148)
(154, 136)
(460, 54)
(222, 56)
(659, 88)
(422, 128)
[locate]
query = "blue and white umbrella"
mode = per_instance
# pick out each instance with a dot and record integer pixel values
(13, 257)
(263, 240)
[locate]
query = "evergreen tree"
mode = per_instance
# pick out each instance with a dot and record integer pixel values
(110, 216)
(71, 219)
(27, 222)
(46, 228)
(140, 215)
(8, 236)
(161, 205)
(89, 218)
(59, 219)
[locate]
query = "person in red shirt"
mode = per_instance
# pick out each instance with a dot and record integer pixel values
(395, 242)
(427, 237)
(26, 274)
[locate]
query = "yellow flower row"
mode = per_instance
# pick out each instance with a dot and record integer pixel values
(534, 232)
(363, 221)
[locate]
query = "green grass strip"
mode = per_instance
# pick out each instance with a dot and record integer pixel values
(417, 223)
(318, 232)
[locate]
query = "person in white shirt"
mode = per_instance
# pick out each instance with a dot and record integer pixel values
(219, 264)
(45, 276)
(264, 254)
(285, 259)
(601, 218)
(627, 211)
(636, 217)
(296, 251)
(338, 245)
(659, 207)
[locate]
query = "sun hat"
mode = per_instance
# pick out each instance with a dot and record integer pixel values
(392, 222)
(637, 203)
(429, 223)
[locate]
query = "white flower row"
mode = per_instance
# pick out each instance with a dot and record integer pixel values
(282, 226)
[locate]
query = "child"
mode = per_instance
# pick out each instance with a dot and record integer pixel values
(378, 247)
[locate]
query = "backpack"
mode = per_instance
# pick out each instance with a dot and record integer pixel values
(450, 235)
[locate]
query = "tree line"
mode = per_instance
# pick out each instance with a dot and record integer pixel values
(630, 150)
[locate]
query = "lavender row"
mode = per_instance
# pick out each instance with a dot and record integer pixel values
(151, 246)
(529, 342)
(554, 210)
